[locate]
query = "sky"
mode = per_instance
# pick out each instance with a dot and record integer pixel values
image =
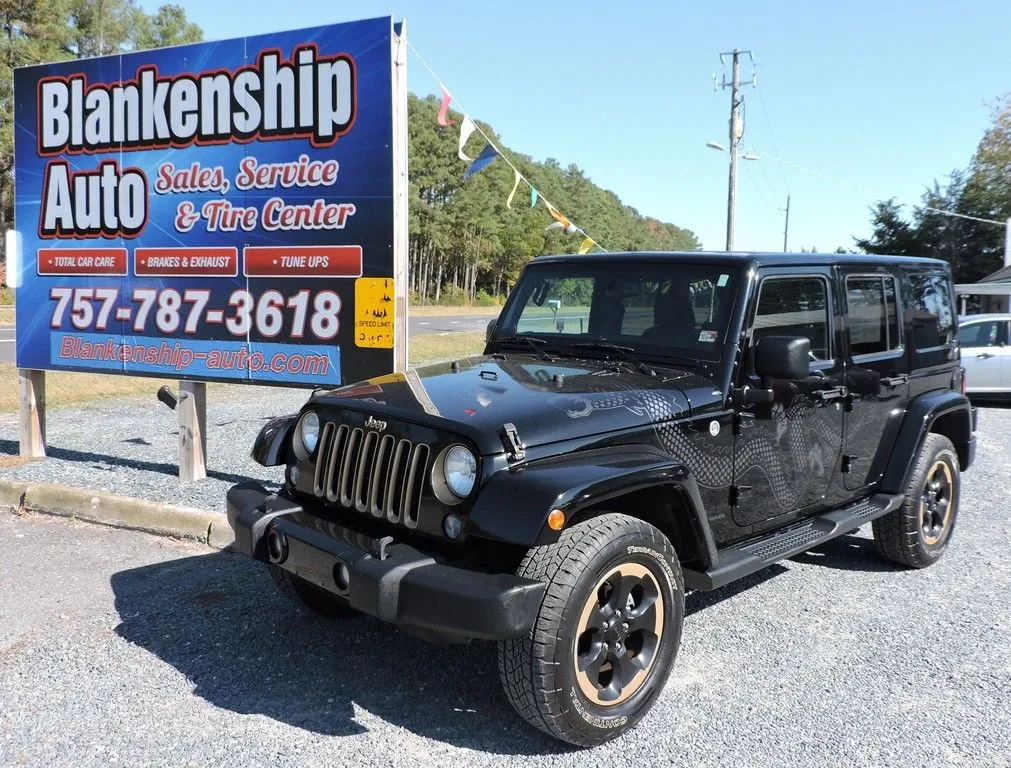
(871, 99)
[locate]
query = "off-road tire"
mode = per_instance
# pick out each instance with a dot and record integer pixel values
(538, 669)
(309, 596)
(899, 535)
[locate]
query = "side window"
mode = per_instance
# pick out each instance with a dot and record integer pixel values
(873, 314)
(795, 306)
(932, 313)
(992, 333)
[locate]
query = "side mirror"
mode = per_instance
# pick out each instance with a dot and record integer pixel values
(783, 357)
(490, 330)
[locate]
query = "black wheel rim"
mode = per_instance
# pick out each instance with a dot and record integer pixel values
(618, 634)
(936, 503)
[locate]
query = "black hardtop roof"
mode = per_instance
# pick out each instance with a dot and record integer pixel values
(746, 259)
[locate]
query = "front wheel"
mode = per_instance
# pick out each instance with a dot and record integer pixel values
(606, 635)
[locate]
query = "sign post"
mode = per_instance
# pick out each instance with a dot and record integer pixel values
(192, 410)
(32, 414)
(228, 211)
(400, 193)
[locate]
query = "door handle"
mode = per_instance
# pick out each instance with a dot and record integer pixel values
(984, 355)
(895, 381)
(835, 393)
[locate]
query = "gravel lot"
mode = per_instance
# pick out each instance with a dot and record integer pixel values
(131, 446)
(120, 648)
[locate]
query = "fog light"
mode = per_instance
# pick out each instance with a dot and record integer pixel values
(452, 526)
(294, 474)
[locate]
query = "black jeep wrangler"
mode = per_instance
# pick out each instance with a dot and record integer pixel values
(638, 426)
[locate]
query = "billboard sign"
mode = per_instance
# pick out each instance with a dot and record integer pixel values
(217, 211)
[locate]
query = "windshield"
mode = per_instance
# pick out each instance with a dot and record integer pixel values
(657, 309)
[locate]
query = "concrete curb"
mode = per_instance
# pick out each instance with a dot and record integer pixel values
(12, 493)
(211, 528)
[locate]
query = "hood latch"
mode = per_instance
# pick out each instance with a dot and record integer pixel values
(511, 439)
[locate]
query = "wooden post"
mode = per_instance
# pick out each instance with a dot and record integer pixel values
(32, 413)
(400, 196)
(192, 410)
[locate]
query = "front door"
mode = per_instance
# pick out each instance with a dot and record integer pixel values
(877, 375)
(787, 453)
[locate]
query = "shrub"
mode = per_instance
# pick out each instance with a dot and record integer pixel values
(485, 299)
(453, 296)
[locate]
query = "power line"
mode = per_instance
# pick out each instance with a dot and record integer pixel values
(496, 147)
(772, 191)
(962, 215)
(758, 189)
(744, 130)
(872, 193)
(772, 137)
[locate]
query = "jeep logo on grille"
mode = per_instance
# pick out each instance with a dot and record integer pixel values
(373, 423)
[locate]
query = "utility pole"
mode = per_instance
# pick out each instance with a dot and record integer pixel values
(1007, 243)
(786, 229)
(736, 132)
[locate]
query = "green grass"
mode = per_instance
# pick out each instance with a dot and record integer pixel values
(6, 299)
(443, 346)
(64, 388)
(428, 310)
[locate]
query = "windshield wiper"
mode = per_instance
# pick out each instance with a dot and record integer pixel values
(531, 341)
(624, 352)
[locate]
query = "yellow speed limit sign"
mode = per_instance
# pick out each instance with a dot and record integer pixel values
(374, 312)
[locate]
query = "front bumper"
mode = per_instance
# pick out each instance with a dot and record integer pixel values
(393, 582)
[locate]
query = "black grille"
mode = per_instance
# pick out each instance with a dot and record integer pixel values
(371, 472)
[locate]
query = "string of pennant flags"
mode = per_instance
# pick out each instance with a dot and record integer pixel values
(490, 153)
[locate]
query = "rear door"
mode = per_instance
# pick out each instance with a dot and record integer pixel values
(877, 373)
(931, 331)
(985, 354)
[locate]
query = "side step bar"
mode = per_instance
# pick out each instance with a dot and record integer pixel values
(755, 554)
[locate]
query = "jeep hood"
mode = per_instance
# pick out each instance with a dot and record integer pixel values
(546, 401)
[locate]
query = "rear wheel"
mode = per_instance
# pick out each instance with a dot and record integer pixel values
(918, 532)
(606, 634)
(308, 595)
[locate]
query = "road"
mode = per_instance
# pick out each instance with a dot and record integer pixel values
(120, 648)
(6, 344)
(416, 326)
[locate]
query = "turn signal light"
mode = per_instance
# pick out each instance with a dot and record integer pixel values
(556, 519)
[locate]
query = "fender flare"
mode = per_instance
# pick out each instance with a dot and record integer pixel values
(921, 415)
(272, 444)
(514, 504)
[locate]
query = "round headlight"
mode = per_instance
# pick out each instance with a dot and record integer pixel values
(460, 470)
(308, 431)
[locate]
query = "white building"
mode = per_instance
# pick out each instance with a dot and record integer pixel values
(993, 290)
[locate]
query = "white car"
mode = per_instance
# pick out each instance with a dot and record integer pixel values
(986, 355)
